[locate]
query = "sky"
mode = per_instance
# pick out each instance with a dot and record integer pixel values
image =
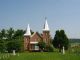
(61, 14)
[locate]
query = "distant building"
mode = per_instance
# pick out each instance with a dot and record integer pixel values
(31, 41)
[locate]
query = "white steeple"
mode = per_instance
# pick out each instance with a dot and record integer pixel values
(28, 33)
(46, 27)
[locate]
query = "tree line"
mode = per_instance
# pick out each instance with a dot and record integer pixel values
(13, 40)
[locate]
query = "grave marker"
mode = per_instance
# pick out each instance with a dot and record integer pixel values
(14, 52)
(63, 51)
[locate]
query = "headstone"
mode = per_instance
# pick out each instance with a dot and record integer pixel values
(8, 55)
(72, 50)
(63, 51)
(0, 57)
(18, 54)
(14, 52)
(3, 56)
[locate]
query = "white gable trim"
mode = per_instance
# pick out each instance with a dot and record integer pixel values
(33, 34)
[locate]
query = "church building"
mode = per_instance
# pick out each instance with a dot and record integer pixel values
(31, 40)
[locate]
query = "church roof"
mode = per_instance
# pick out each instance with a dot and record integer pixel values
(37, 34)
(28, 33)
(46, 27)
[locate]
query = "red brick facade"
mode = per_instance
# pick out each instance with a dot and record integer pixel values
(36, 37)
(46, 37)
(26, 42)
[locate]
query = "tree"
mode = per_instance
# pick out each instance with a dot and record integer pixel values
(18, 33)
(60, 40)
(15, 39)
(42, 45)
(10, 34)
(18, 36)
(2, 34)
(2, 47)
(13, 45)
(2, 40)
(11, 39)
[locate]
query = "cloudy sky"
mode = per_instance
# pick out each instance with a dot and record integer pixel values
(61, 14)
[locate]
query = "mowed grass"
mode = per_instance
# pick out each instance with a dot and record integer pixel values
(44, 56)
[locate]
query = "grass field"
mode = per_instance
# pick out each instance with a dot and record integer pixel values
(42, 56)
(71, 54)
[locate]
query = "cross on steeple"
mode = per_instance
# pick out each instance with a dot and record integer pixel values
(46, 27)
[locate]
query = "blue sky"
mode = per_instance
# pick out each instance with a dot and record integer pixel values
(61, 14)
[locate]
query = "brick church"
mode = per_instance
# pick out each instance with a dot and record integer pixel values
(31, 40)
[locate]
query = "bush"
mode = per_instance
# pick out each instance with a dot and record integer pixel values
(41, 45)
(13, 45)
(49, 48)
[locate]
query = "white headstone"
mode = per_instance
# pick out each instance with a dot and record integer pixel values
(63, 51)
(14, 52)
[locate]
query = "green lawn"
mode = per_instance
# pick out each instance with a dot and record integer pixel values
(43, 56)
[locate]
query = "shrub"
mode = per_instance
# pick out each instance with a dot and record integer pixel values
(49, 48)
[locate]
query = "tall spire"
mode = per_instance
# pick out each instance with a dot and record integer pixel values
(46, 27)
(28, 33)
